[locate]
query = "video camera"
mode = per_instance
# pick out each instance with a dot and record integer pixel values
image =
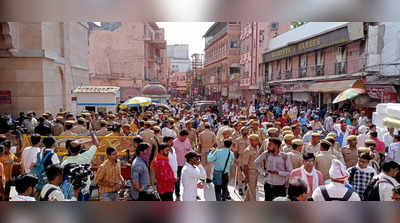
(77, 175)
(15, 126)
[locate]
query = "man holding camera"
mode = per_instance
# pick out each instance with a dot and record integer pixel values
(52, 190)
(77, 156)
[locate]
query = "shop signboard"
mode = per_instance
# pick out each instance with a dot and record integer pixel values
(282, 89)
(5, 97)
(385, 93)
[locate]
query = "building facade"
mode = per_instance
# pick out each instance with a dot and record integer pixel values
(315, 62)
(196, 75)
(222, 60)
(41, 64)
(128, 55)
(179, 54)
(254, 40)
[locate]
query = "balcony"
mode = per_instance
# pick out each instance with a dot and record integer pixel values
(319, 70)
(288, 74)
(302, 72)
(341, 68)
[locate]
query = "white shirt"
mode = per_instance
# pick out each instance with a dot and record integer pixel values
(168, 132)
(22, 198)
(387, 139)
(54, 158)
(57, 194)
(335, 190)
(385, 189)
(394, 152)
(29, 156)
(190, 176)
(173, 161)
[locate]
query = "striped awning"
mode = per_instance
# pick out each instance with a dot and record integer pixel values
(335, 86)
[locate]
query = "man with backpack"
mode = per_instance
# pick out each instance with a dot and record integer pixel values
(361, 174)
(52, 191)
(336, 190)
(44, 159)
(381, 188)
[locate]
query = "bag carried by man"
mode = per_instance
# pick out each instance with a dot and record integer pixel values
(219, 175)
(39, 170)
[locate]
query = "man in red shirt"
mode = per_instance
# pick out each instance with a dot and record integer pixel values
(282, 120)
(380, 146)
(164, 174)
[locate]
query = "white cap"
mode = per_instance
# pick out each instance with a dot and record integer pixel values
(338, 171)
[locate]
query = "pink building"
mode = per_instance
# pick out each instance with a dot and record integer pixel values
(128, 55)
(254, 40)
(180, 83)
(315, 62)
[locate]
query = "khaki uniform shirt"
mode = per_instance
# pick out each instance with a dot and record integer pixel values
(296, 157)
(249, 156)
(148, 136)
(286, 148)
(350, 156)
(67, 133)
(57, 129)
(309, 148)
(260, 134)
(207, 140)
(200, 128)
(102, 132)
(79, 130)
(96, 124)
(323, 162)
(239, 145)
(236, 135)
(192, 137)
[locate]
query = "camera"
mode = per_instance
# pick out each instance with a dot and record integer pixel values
(7, 125)
(77, 175)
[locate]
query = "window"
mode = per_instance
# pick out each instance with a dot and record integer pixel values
(269, 71)
(341, 54)
(278, 67)
(234, 44)
(275, 26)
(303, 61)
(319, 58)
(288, 64)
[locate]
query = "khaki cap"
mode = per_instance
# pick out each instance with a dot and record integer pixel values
(287, 132)
(277, 123)
(316, 134)
(207, 124)
(59, 118)
(330, 138)
(332, 134)
(364, 149)
(171, 120)
(272, 130)
(326, 142)
(157, 128)
(288, 137)
(104, 122)
(351, 137)
(148, 122)
(81, 119)
(370, 142)
(244, 128)
(70, 122)
(226, 130)
(286, 128)
(297, 142)
(254, 136)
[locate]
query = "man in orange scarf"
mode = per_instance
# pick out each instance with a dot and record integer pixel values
(164, 174)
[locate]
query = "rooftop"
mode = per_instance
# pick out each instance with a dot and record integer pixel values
(97, 89)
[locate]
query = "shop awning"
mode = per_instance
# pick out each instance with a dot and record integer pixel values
(335, 86)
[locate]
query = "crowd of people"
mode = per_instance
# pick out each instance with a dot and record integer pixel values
(297, 152)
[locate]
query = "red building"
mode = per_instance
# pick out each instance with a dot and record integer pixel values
(315, 62)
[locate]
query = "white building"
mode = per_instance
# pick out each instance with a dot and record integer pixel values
(96, 98)
(179, 54)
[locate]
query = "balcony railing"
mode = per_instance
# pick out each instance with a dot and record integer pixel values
(319, 70)
(341, 68)
(302, 72)
(288, 75)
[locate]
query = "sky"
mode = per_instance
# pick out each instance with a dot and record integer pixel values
(186, 33)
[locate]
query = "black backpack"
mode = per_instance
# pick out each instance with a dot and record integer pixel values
(325, 194)
(371, 193)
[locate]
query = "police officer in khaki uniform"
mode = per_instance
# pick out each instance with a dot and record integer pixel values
(376, 157)
(335, 148)
(296, 129)
(350, 153)
(58, 127)
(103, 129)
(256, 130)
(80, 128)
(68, 126)
(239, 145)
(225, 134)
(192, 133)
(323, 159)
(313, 146)
(148, 135)
(236, 134)
(296, 155)
(201, 127)
(207, 140)
(287, 147)
(250, 170)
(272, 132)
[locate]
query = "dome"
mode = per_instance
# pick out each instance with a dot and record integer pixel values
(154, 89)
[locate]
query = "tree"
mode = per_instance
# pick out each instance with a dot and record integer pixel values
(296, 24)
